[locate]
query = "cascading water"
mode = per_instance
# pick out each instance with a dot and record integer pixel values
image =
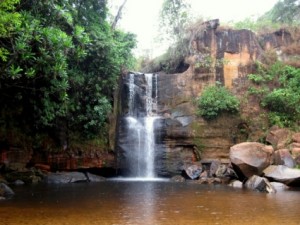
(138, 139)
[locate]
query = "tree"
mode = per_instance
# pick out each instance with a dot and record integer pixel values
(118, 16)
(284, 11)
(174, 17)
(59, 63)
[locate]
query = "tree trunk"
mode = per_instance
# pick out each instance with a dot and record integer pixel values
(118, 16)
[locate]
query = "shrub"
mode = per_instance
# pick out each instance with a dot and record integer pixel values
(278, 87)
(216, 100)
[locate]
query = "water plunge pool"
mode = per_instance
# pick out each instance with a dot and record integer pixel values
(147, 202)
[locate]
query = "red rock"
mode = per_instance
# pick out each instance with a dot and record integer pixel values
(42, 167)
(279, 137)
(296, 137)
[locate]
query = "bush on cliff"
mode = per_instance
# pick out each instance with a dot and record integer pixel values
(216, 100)
(281, 95)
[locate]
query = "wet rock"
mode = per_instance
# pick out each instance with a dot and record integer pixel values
(259, 184)
(66, 177)
(193, 171)
(72, 177)
(204, 174)
(231, 173)
(236, 184)
(5, 191)
(43, 167)
(283, 174)
(279, 137)
(19, 182)
(178, 178)
(250, 158)
(221, 171)
(209, 180)
(279, 186)
(94, 178)
(28, 177)
(283, 157)
(214, 166)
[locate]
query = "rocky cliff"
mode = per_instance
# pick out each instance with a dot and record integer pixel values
(217, 55)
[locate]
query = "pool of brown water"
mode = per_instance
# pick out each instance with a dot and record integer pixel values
(148, 202)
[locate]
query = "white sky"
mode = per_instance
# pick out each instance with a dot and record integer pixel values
(141, 16)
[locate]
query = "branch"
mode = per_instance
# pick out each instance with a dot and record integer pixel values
(118, 16)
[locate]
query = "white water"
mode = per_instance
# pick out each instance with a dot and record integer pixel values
(141, 130)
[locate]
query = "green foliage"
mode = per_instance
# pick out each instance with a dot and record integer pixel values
(260, 25)
(216, 100)
(286, 11)
(59, 61)
(279, 87)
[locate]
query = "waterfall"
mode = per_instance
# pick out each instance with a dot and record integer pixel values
(138, 140)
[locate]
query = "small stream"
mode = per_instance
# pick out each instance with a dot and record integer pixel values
(147, 202)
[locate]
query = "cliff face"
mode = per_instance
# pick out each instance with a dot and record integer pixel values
(218, 55)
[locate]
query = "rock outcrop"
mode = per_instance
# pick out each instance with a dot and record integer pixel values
(250, 158)
(219, 55)
(283, 174)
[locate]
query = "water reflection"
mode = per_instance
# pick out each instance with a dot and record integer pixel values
(147, 202)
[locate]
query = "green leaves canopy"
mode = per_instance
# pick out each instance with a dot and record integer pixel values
(59, 61)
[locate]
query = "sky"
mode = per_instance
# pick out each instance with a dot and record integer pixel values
(141, 17)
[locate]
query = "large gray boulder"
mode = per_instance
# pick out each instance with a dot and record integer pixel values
(283, 174)
(5, 191)
(250, 158)
(260, 184)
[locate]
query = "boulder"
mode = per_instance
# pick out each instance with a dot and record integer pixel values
(279, 186)
(295, 152)
(214, 167)
(279, 137)
(5, 191)
(66, 177)
(259, 184)
(236, 184)
(283, 174)
(19, 182)
(250, 158)
(94, 178)
(178, 178)
(221, 171)
(193, 171)
(283, 157)
(72, 177)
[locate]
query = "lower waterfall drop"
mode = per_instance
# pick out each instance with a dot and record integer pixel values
(138, 140)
